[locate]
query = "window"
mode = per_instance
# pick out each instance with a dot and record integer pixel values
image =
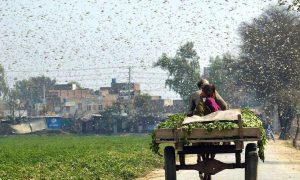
(68, 108)
(89, 107)
(79, 106)
(100, 107)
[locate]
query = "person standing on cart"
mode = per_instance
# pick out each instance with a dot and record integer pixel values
(196, 104)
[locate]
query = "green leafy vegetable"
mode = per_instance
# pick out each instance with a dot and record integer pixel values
(248, 117)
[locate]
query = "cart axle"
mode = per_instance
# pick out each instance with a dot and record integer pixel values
(209, 149)
(210, 166)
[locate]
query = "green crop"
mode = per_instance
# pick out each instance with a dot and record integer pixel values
(173, 121)
(76, 157)
(251, 120)
(248, 117)
(211, 126)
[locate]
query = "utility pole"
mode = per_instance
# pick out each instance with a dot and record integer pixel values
(44, 94)
(44, 100)
(129, 88)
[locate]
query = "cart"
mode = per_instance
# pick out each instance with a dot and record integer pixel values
(206, 145)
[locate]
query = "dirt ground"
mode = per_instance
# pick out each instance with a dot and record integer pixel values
(282, 162)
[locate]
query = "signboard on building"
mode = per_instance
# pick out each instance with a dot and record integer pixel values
(54, 122)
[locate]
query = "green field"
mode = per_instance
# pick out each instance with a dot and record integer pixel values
(76, 157)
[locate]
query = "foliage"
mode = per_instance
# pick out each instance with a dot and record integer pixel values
(109, 117)
(291, 4)
(12, 102)
(142, 103)
(248, 117)
(3, 86)
(222, 74)
(173, 121)
(270, 60)
(76, 157)
(32, 89)
(251, 120)
(270, 53)
(211, 126)
(183, 68)
(115, 109)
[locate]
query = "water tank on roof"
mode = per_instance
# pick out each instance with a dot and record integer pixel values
(74, 86)
(113, 80)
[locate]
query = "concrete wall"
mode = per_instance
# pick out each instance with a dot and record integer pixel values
(67, 94)
(109, 100)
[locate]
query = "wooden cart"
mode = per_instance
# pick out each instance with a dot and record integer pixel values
(206, 145)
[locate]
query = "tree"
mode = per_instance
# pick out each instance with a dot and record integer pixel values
(109, 118)
(269, 60)
(142, 107)
(31, 91)
(292, 4)
(295, 140)
(12, 103)
(3, 86)
(142, 103)
(221, 74)
(183, 68)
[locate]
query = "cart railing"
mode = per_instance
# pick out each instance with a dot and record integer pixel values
(202, 135)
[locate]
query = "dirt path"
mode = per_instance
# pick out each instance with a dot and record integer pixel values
(282, 163)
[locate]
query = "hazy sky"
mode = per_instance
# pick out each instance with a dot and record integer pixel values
(92, 41)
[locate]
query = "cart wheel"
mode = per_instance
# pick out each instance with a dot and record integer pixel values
(170, 164)
(207, 177)
(251, 161)
(250, 147)
(251, 165)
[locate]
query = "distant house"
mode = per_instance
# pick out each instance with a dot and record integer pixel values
(122, 92)
(90, 123)
(71, 86)
(108, 99)
(68, 100)
(162, 108)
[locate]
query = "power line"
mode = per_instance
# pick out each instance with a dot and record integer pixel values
(82, 69)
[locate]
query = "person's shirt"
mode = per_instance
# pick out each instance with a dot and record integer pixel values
(195, 98)
(220, 101)
(211, 103)
(269, 127)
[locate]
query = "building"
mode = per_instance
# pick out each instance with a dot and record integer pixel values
(121, 92)
(69, 101)
(108, 99)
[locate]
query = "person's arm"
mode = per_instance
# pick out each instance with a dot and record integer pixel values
(220, 101)
(272, 127)
(208, 104)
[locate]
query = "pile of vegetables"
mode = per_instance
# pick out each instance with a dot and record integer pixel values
(248, 117)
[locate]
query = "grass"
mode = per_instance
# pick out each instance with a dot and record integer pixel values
(76, 157)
